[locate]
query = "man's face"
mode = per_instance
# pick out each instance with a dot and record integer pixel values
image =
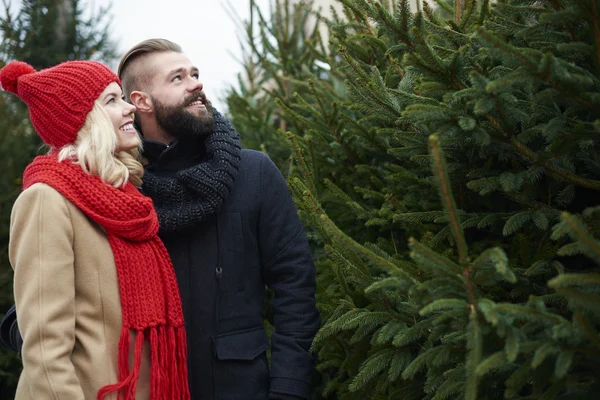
(180, 105)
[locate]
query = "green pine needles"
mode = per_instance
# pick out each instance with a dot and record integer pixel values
(446, 163)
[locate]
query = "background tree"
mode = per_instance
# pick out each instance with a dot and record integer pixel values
(41, 33)
(281, 49)
(453, 186)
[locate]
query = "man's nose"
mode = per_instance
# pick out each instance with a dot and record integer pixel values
(195, 85)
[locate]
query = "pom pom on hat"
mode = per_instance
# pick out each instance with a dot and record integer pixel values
(59, 98)
(11, 72)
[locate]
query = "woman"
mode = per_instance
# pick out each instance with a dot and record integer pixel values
(98, 303)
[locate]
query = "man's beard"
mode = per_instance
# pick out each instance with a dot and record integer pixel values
(179, 122)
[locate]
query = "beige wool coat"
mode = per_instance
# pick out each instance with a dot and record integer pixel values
(67, 298)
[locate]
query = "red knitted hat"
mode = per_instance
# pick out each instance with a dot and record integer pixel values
(59, 98)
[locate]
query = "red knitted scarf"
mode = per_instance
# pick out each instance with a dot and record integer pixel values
(150, 300)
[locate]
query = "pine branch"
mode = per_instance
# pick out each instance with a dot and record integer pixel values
(401, 31)
(262, 58)
(518, 379)
(566, 280)
(372, 367)
(430, 258)
(596, 24)
(340, 274)
(492, 362)
(578, 232)
(532, 65)
(445, 6)
(329, 122)
(588, 328)
(429, 12)
(306, 172)
(563, 363)
(443, 304)
(588, 301)
(469, 9)
(351, 243)
(381, 10)
(498, 258)
(483, 12)
(475, 355)
(440, 171)
(546, 350)
(555, 172)
(523, 313)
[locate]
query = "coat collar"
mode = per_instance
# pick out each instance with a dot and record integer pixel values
(179, 154)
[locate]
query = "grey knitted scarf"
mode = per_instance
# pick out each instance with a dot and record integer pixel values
(198, 192)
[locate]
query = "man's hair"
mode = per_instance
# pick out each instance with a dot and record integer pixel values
(94, 151)
(135, 80)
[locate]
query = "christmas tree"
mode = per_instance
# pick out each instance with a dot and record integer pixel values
(445, 161)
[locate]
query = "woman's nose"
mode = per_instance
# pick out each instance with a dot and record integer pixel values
(129, 109)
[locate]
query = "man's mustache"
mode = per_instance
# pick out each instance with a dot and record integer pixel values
(194, 97)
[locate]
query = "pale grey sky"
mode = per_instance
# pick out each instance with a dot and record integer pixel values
(202, 27)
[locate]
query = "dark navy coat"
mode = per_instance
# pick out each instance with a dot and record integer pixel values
(223, 266)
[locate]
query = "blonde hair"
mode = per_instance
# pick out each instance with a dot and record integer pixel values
(94, 151)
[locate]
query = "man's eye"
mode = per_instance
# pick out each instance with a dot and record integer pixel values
(177, 78)
(196, 76)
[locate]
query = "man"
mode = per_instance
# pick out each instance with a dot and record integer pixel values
(230, 226)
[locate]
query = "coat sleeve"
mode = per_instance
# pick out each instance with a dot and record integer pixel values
(41, 253)
(289, 271)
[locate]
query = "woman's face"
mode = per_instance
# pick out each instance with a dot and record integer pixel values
(121, 115)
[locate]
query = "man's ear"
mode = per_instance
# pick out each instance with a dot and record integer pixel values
(141, 101)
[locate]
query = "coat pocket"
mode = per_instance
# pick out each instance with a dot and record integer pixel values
(240, 369)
